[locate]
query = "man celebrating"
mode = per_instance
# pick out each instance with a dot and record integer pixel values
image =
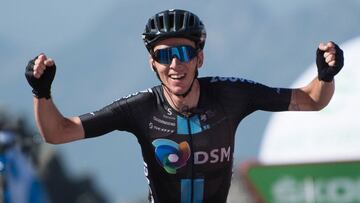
(186, 125)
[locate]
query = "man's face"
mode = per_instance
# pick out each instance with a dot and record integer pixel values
(177, 75)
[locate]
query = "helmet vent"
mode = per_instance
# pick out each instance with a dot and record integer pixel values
(171, 22)
(180, 23)
(152, 24)
(191, 21)
(161, 22)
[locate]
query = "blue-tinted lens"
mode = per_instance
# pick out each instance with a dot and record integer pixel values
(184, 53)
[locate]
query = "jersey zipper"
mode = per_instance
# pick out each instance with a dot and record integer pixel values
(192, 158)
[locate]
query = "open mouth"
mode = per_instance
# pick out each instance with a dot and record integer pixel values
(177, 76)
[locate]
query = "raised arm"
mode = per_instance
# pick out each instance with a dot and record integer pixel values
(53, 126)
(318, 93)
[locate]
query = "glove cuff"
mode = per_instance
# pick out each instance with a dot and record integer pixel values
(42, 94)
(326, 78)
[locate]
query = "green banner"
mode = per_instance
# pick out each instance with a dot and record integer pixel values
(306, 183)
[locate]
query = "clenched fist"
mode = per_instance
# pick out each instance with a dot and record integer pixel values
(329, 61)
(40, 73)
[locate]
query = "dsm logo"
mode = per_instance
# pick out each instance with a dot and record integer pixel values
(171, 155)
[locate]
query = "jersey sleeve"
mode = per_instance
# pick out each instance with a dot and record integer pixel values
(267, 98)
(116, 116)
(246, 96)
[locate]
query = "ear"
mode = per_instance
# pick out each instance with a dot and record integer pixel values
(200, 59)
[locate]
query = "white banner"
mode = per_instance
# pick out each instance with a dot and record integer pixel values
(331, 134)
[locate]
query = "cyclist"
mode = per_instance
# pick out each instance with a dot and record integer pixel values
(186, 125)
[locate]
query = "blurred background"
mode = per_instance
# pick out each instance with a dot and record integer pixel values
(100, 56)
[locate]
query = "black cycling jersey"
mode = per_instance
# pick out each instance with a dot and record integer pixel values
(188, 159)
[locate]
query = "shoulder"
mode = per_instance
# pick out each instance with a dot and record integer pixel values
(139, 96)
(219, 81)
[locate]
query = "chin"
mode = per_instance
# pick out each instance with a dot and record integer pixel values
(178, 91)
(179, 87)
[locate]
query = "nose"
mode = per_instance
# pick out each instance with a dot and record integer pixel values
(175, 62)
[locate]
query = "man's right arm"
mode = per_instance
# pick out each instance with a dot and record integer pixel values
(53, 126)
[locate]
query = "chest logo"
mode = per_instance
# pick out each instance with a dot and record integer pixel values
(171, 155)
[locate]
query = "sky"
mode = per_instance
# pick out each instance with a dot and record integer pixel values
(100, 57)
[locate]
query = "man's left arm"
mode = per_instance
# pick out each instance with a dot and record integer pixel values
(318, 93)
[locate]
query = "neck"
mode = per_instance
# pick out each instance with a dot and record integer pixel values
(183, 104)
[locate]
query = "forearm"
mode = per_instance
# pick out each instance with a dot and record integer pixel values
(313, 97)
(321, 92)
(53, 126)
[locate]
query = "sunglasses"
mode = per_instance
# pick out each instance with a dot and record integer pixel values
(184, 53)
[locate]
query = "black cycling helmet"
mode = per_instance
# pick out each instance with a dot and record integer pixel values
(174, 23)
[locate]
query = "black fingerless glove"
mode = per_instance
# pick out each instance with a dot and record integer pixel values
(41, 87)
(325, 72)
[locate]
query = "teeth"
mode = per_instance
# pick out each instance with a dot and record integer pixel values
(177, 76)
